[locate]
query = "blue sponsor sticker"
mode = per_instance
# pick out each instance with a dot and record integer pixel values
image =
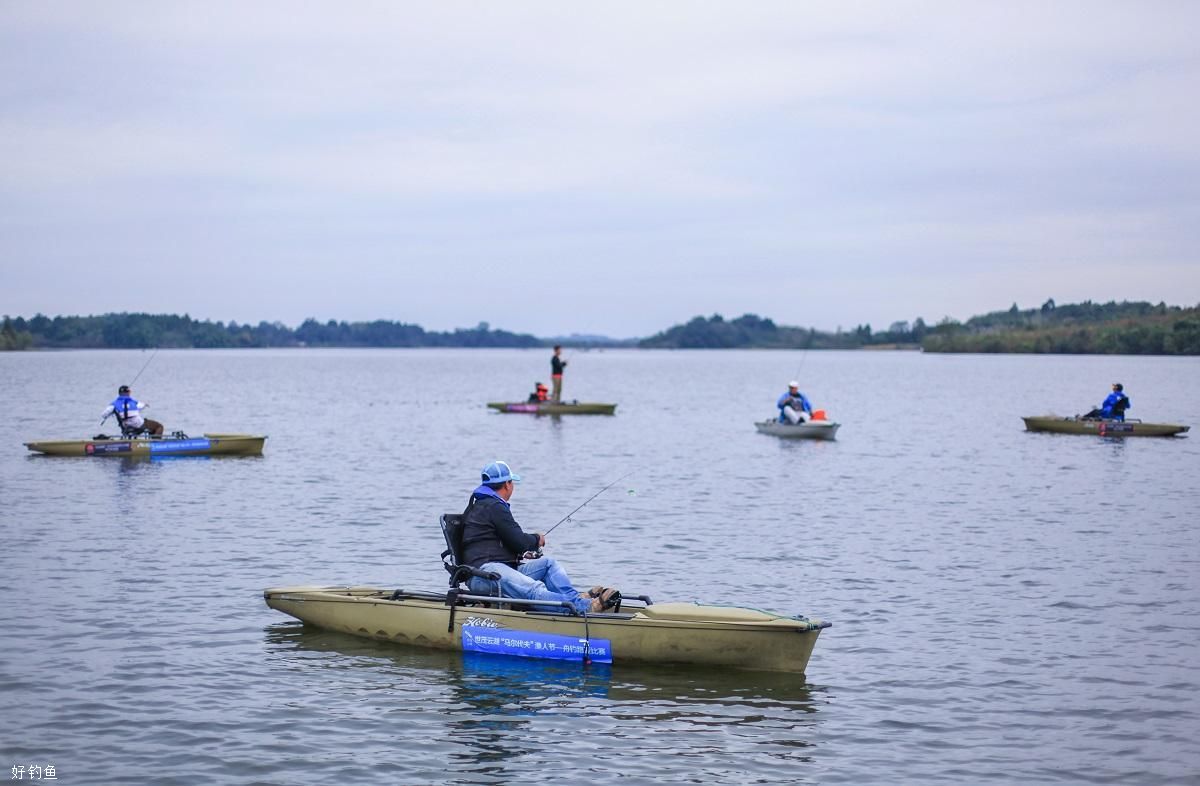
(180, 445)
(527, 644)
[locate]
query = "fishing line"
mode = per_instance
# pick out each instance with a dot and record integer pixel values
(589, 499)
(144, 367)
(803, 357)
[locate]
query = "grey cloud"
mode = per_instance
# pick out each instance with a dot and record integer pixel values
(918, 159)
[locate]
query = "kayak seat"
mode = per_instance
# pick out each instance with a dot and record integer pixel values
(460, 574)
(1118, 410)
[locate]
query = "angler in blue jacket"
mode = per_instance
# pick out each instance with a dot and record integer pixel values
(1114, 406)
(129, 415)
(493, 541)
(792, 403)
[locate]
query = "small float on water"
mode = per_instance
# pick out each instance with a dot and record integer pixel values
(635, 630)
(145, 446)
(554, 407)
(1102, 427)
(816, 428)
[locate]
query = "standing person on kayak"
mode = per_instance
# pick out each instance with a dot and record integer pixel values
(493, 541)
(792, 403)
(557, 364)
(129, 416)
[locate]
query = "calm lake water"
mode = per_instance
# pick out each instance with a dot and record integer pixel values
(1006, 606)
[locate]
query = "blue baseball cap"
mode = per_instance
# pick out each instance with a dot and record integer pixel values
(499, 472)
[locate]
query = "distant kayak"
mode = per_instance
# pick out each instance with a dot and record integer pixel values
(812, 429)
(553, 408)
(1102, 428)
(150, 447)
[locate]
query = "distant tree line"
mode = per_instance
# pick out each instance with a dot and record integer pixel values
(1086, 328)
(1136, 328)
(751, 331)
(140, 331)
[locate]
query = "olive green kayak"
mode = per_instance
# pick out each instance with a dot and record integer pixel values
(1102, 428)
(151, 447)
(639, 631)
(552, 408)
(812, 429)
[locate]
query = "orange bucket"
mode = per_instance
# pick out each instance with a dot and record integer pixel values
(818, 414)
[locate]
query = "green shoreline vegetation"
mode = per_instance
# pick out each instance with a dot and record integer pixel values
(168, 331)
(1124, 328)
(1081, 329)
(1130, 328)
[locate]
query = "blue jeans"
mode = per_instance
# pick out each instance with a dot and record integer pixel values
(539, 579)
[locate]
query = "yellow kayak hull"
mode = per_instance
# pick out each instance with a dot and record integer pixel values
(1103, 428)
(687, 633)
(552, 408)
(151, 447)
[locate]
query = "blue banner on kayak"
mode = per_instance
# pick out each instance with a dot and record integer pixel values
(527, 644)
(178, 445)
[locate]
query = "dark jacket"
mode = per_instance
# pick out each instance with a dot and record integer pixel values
(491, 534)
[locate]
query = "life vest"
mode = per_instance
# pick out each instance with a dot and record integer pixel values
(123, 405)
(127, 408)
(542, 392)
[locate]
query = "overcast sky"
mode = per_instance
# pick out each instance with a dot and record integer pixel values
(607, 168)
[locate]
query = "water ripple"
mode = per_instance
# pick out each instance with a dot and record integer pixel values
(1007, 606)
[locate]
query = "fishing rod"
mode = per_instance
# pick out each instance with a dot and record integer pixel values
(803, 357)
(135, 379)
(589, 499)
(799, 368)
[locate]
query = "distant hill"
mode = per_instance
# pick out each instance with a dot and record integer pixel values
(589, 340)
(751, 331)
(1111, 328)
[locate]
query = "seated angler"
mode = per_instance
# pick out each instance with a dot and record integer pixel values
(540, 393)
(129, 415)
(792, 403)
(493, 541)
(1114, 406)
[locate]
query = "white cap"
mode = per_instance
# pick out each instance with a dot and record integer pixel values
(793, 384)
